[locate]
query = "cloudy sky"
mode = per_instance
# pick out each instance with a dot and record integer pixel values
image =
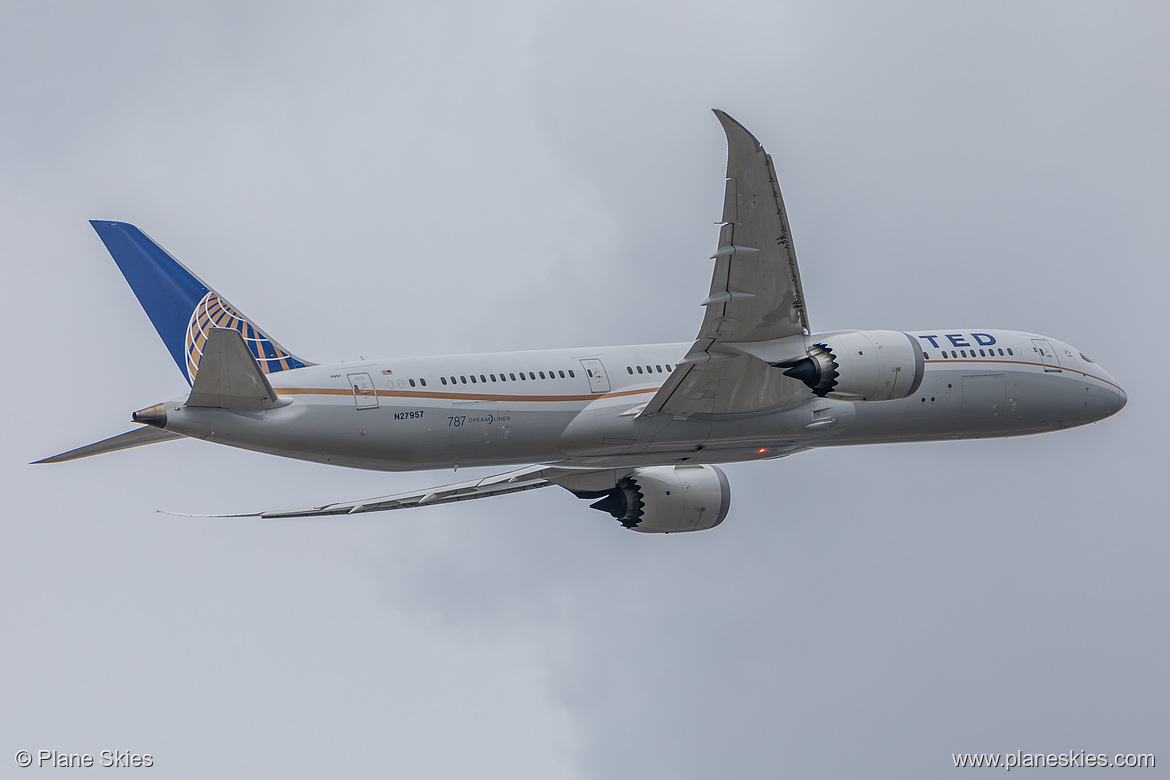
(387, 179)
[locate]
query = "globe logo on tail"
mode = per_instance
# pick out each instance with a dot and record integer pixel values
(214, 312)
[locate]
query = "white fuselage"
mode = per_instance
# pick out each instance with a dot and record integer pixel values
(579, 407)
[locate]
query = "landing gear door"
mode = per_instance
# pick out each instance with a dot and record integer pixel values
(1047, 355)
(598, 381)
(364, 394)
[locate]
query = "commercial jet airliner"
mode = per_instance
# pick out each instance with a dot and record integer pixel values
(634, 429)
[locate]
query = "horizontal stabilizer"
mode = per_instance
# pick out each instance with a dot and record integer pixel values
(134, 438)
(229, 376)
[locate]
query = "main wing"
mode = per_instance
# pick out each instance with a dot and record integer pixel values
(755, 297)
(527, 478)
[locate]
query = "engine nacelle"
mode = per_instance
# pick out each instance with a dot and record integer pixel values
(668, 499)
(861, 365)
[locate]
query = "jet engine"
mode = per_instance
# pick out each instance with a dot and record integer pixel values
(667, 499)
(861, 365)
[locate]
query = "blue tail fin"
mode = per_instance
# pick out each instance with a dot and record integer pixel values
(182, 308)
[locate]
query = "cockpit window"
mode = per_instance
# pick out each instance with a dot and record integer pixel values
(1086, 358)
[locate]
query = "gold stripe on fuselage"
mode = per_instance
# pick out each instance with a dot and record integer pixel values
(1022, 363)
(439, 396)
(462, 396)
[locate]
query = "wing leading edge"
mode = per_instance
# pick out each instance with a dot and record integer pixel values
(756, 296)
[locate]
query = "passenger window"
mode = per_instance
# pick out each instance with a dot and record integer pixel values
(473, 379)
(1010, 351)
(562, 373)
(493, 376)
(982, 354)
(630, 369)
(542, 375)
(531, 375)
(513, 377)
(1001, 352)
(649, 370)
(639, 369)
(424, 382)
(925, 356)
(483, 378)
(453, 380)
(443, 379)
(963, 352)
(954, 354)
(522, 377)
(463, 379)
(571, 374)
(412, 383)
(658, 369)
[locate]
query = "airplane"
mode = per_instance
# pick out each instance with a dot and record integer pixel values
(638, 430)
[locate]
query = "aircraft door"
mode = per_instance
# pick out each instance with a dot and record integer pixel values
(598, 381)
(364, 394)
(1047, 355)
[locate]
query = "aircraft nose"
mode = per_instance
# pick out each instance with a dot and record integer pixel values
(1122, 398)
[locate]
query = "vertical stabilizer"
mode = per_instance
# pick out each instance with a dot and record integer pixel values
(182, 308)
